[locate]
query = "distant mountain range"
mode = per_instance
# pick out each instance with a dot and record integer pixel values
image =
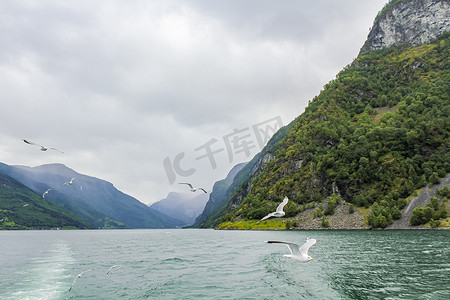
(95, 202)
(182, 206)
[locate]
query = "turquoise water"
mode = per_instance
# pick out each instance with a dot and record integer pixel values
(208, 264)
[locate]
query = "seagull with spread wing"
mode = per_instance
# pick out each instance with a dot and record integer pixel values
(69, 182)
(78, 276)
(279, 212)
(42, 147)
(193, 189)
(45, 193)
(115, 266)
(297, 252)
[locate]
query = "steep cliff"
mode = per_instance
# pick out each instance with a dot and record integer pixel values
(409, 22)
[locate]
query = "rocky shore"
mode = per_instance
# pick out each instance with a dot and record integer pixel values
(342, 219)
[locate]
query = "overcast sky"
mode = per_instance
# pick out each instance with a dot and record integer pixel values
(147, 94)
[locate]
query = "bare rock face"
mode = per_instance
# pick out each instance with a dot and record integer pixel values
(411, 22)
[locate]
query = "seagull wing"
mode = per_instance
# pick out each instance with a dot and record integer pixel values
(79, 276)
(85, 272)
(31, 143)
(117, 266)
(282, 204)
(203, 190)
(46, 192)
(305, 247)
(268, 216)
(190, 185)
(69, 182)
(57, 150)
(28, 142)
(292, 246)
(73, 283)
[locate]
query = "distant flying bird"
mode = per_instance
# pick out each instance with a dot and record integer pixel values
(116, 266)
(192, 188)
(45, 193)
(42, 147)
(78, 276)
(298, 253)
(279, 212)
(26, 205)
(69, 182)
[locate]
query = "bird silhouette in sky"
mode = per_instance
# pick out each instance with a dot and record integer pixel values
(42, 147)
(193, 189)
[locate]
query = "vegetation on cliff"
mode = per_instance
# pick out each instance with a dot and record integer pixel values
(374, 135)
(21, 208)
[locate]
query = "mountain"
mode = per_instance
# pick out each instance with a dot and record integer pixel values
(182, 206)
(373, 138)
(95, 201)
(21, 208)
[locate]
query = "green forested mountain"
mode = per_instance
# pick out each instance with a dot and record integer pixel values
(375, 134)
(21, 208)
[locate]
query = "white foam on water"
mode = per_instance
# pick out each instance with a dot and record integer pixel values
(45, 276)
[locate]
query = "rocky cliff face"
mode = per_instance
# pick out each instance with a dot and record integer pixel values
(411, 22)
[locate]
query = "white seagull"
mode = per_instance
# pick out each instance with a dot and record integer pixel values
(42, 147)
(279, 212)
(45, 193)
(298, 253)
(192, 188)
(116, 266)
(69, 182)
(26, 205)
(78, 276)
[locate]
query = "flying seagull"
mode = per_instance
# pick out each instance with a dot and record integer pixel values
(279, 212)
(78, 276)
(69, 182)
(42, 147)
(298, 253)
(26, 205)
(116, 266)
(45, 193)
(192, 188)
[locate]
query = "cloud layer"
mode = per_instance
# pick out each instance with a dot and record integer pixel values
(122, 86)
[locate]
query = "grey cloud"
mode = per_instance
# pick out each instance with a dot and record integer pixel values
(134, 82)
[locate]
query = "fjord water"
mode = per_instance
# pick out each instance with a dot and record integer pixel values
(208, 264)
